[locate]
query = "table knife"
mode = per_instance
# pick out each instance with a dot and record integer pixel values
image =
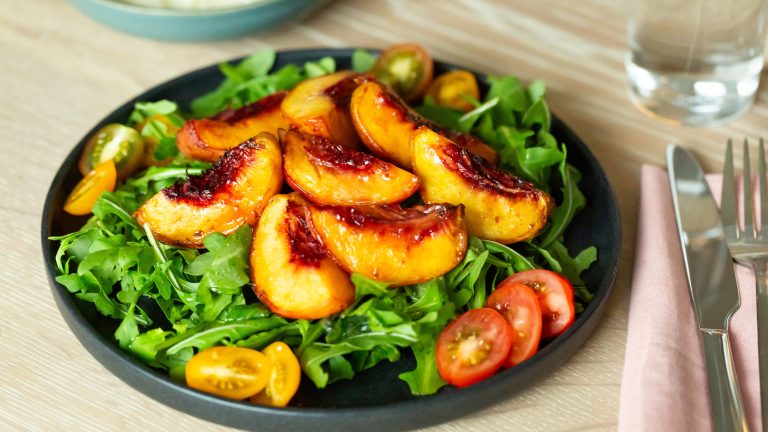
(711, 282)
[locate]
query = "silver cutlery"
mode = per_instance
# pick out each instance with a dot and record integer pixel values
(711, 282)
(750, 247)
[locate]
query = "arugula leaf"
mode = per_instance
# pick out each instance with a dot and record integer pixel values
(262, 339)
(321, 67)
(573, 201)
(574, 266)
(210, 334)
(128, 329)
(315, 357)
(362, 61)
(365, 286)
(223, 269)
(425, 379)
(468, 120)
(145, 345)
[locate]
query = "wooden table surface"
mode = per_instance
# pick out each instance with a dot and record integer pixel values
(62, 72)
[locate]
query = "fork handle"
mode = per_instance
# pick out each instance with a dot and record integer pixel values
(724, 394)
(762, 338)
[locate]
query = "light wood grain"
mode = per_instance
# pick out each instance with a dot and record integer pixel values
(61, 73)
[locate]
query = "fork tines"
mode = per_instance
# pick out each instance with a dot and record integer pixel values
(728, 203)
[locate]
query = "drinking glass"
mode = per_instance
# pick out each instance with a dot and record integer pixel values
(695, 62)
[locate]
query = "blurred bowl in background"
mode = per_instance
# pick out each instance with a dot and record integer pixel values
(186, 25)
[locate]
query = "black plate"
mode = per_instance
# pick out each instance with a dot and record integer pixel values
(375, 399)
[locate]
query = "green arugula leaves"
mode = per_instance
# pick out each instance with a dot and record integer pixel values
(251, 79)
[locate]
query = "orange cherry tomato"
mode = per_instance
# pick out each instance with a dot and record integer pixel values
(101, 179)
(407, 68)
(473, 347)
(228, 371)
(520, 306)
(451, 89)
(555, 298)
(284, 381)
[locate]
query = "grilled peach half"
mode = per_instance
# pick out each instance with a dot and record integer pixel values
(385, 124)
(327, 173)
(290, 271)
(233, 192)
(399, 246)
(499, 206)
(320, 106)
(208, 139)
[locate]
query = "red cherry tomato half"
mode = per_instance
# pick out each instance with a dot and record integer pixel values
(555, 298)
(520, 306)
(407, 68)
(473, 347)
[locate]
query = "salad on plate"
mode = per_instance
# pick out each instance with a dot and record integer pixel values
(309, 222)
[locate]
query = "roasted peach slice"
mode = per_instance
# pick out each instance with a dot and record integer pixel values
(385, 124)
(290, 271)
(233, 192)
(499, 206)
(399, 246)
(208, 139)
(327, 173)
(320, 106)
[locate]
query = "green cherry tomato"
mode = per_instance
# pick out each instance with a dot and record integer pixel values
(407, 68)
(121, 144)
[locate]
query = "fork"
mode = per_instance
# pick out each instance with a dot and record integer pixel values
(749, 247)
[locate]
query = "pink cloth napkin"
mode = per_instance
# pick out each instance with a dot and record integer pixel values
(664, 386)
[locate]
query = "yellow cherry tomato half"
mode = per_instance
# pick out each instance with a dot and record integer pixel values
(451, 89)
(286, 374)
(101, 179)
(228, 371)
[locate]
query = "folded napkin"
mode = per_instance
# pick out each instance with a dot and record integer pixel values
(664, 386)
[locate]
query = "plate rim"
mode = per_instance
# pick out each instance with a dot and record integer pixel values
(161, 388)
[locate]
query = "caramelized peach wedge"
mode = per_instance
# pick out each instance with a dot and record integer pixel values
(320, 106)
(208, 139)
(233, 192)
(290, 271)
(385, 124)
(399, 246)
(327, 173)
(499, 206)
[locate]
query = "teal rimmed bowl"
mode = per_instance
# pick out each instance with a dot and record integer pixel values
(197, 25)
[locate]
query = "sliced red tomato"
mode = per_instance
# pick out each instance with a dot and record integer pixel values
(407, 68)
(473, 347)
(519, 304)
(555, 298)
(284, 381)
(100, 179)
(451, 89)
(228, 371)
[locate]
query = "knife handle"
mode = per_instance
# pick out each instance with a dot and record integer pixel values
(724, 393)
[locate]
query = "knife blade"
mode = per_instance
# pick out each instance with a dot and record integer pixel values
(711, 282)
